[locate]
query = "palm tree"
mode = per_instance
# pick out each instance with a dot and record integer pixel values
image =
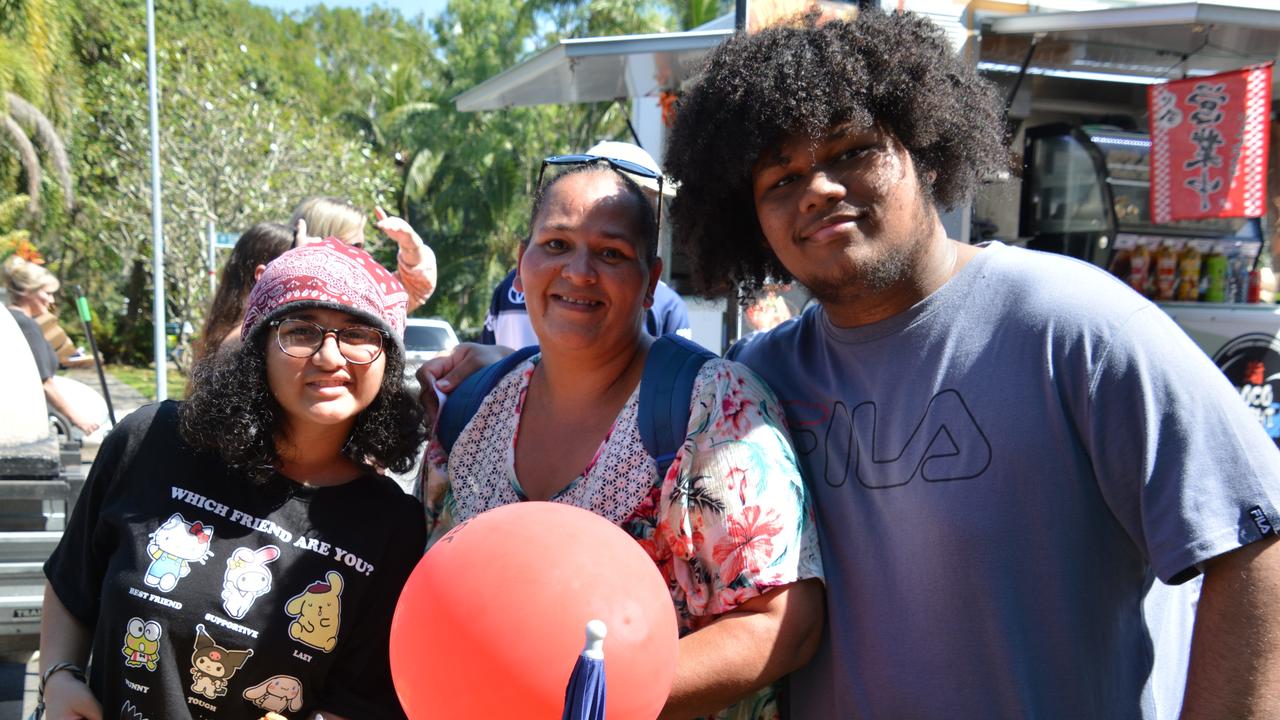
(19, 122)
(28, 69)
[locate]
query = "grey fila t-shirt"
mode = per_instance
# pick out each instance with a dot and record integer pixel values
(999, 475)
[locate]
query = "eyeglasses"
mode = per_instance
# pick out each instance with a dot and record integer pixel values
(300, 338)
(621, 165)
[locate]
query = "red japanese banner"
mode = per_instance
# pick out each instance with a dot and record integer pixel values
(1209, 139)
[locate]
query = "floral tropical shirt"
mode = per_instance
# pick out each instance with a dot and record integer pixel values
(730, 520)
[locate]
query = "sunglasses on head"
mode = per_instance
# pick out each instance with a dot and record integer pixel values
(625, 166)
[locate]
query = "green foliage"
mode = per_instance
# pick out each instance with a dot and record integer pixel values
(11, 211)
(38, 90)
(41, 31)
(692, 13)
(17, 73)
(573, 18)
(12, 234)
(259, 108)
(230, 156)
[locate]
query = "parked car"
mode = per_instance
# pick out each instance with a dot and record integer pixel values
(425, 339)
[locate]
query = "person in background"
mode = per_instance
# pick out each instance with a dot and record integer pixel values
(507, 322)
(768, 310)
(240, 552)
(31, 291)
(321, 217)
(258, 246)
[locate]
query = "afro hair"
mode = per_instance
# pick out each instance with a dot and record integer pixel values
(896, 71)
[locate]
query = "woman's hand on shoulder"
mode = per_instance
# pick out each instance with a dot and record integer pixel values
(67, 698)
(446, 372)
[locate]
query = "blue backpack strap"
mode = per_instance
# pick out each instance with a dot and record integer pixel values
(666, 389)
(465, 399)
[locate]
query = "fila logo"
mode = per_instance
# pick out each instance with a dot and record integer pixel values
(1261, 521)
(946, 444)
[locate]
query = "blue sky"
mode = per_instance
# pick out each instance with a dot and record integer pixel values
(408, 8)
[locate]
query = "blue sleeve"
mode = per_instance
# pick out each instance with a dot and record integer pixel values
(677, 318)
(671, 314)
(1185, 467)
(739, 350)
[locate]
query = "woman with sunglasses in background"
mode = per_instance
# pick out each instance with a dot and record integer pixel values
(728, 525)
(240, 553)
(31, 291)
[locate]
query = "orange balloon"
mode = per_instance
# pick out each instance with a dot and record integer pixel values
(492, 620)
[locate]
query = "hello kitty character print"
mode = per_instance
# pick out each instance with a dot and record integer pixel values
(173, 547)
(247, 578)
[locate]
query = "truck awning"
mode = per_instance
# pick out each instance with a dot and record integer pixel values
(596, 69)
(1144, 44)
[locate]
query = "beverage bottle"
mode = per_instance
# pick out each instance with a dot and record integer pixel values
(1189, 274)
(1215, 276)
(1120, 264)
(1244, 278)
(1237, 275)
(1166, 271)
(1140, 269)
(1255, 287)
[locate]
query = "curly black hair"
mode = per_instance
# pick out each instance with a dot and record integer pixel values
(895, 71)
(645, 215)
(230, 411)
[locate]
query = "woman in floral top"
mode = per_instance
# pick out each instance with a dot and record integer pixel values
(729, 526)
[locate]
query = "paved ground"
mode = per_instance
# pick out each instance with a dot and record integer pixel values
(18, 661)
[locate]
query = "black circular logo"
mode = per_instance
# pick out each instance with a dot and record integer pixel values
(1252, 363)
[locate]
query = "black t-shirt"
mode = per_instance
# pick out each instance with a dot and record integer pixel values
(210, 595)
(46, 358)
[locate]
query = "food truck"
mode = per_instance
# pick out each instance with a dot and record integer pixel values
(1077, 85)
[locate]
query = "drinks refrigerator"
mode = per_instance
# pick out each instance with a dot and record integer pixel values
(1086, 194)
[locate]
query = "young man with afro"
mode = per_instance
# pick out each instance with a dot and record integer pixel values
(1007, 449)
